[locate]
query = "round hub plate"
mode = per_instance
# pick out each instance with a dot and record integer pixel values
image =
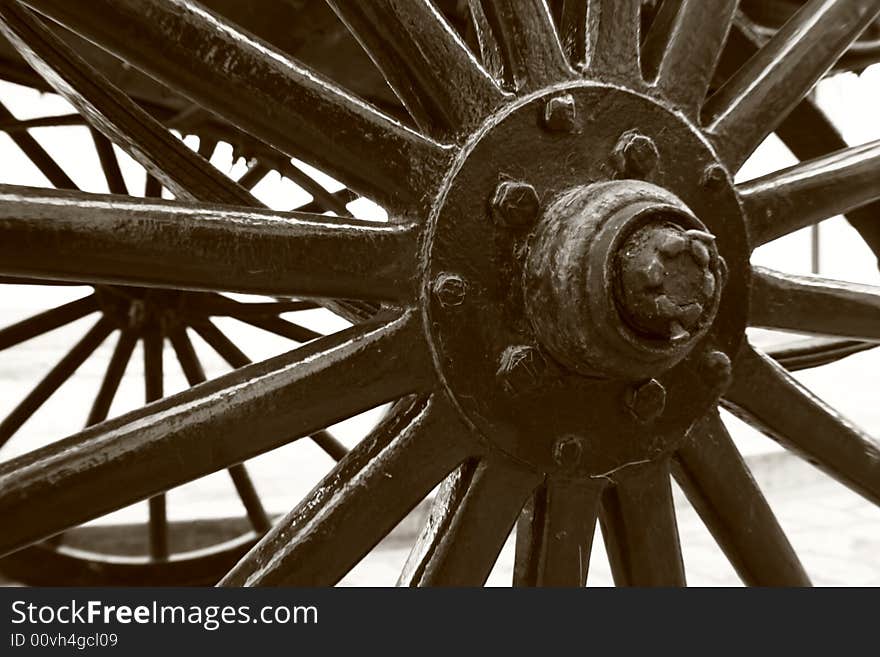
(506, 386)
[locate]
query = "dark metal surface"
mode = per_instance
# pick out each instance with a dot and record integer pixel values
(62, 235)
(566, 275)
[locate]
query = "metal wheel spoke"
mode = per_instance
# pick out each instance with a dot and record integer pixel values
(554, 535)
(49, 320)
(76, 236)
(219, 305)
(639, 528)
(720, 487)
(249, 497)
(220, 343)
(55, 378)
(236, 358)
(154, 377)
(152, 187)
(114, 114)
(470, 521)
(55, 121)
(112, 377)
(245, 81)
(331, 445)
(109, 163)
(360, 501)
(807, 131)
(283, 328)
(682, 48)
(154, 389)
(254, 174)
(207, 146)
(815, 352)
(768, 398)
(613, 38)
(572, 23)
(195, 374)
(761, 94)
(158, 527)
(322, 200)
(430, 69)
(211, 426)
(786, 201)
(340, 197)
(811, 304)
(810, 134)
(529, 44)
(483, 41)
(38, 155)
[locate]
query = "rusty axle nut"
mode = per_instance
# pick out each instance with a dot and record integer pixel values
(515, 204)
(560, 114)
(450, 290)
(667, 280)
(635, 154)
(647, 401)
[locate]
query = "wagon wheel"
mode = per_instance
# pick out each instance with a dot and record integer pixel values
(566, 283)
(150, 317)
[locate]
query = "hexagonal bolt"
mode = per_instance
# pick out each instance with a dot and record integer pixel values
(567, 451)
(450, 289)
(713, 176)
(519, 368)
(647, 401)
(717, 370)
(635, 154)
(515, 204)
(560, 114)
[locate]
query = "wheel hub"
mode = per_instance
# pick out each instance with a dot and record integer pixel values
(621, 279)
(135, 307)
(577, 280)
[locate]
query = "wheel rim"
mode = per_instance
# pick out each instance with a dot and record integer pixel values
(442, 182)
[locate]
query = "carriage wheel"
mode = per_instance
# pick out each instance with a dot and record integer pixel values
(566, 282)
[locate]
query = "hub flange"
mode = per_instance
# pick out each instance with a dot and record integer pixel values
(517, 388)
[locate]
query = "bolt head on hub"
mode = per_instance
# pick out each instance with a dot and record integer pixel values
(560, 114)
(717, 370)
(647, 401)
(567, 451)
(635, 155)
(713, 177)
(450, 290)
(515, 204)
